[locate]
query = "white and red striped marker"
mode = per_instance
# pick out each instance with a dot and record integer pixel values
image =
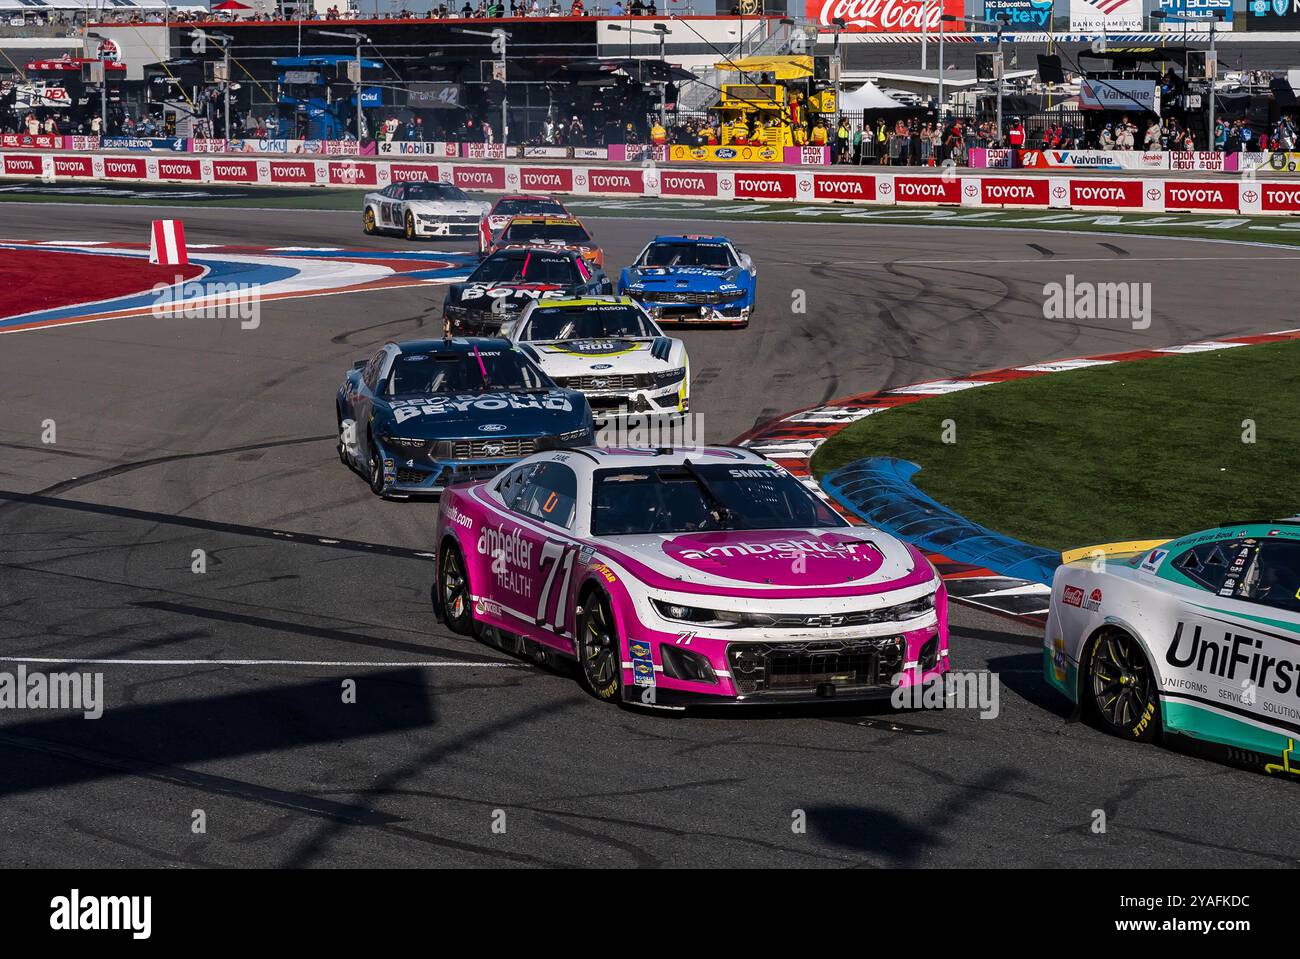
(167, 243)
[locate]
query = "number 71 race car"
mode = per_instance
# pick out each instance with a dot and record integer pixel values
(1198, 637)
(681, 577)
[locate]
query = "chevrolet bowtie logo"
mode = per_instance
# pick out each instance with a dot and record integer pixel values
(825, 621)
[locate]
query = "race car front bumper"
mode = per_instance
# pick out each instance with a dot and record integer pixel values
(728, 313)
(686, 668)
(607, 405)
(426, 225)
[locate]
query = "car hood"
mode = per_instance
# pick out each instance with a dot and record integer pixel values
(574, 357)
(802, 560)
(445, 207)
(484, 415)
(683, 278)
(512, 296)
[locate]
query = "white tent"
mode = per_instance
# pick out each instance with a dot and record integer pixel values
(868, 97)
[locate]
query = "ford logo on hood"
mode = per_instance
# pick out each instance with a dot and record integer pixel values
(491, 428)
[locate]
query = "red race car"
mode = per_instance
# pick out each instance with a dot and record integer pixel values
(511, 206)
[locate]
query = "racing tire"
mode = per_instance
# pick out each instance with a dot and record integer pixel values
(368, 225)
(600, 650)
(409, 228)
(375, 471)
(454, 592)
(1120, 690)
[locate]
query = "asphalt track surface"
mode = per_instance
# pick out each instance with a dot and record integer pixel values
(176, 435)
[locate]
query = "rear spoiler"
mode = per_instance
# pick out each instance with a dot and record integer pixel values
(1111, 549)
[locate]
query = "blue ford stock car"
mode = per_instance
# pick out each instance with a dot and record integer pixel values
(692, 279)
(510, 279)
(419, 416)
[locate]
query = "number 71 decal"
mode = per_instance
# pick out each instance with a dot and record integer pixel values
(554, 556)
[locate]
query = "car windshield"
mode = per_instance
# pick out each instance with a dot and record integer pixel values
(681, 499)
(545, 233)
(590, 322)
(436, 191)
(708, 256)
(1259, 570)
(457, 372)
(528, 266)
(526, 207)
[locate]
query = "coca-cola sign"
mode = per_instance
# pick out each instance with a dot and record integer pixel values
(888, 16)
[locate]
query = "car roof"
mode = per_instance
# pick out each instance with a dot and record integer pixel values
(530, 196)
(593, 458)
(690, 238)
(457, 344)
(544, 219)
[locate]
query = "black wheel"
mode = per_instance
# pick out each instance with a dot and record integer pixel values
(368, 225)
(410, 225)
(375, 469)
(600, 652)
(1121, 688)
(453, 591)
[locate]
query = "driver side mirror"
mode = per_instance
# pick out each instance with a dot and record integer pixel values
(360, 364)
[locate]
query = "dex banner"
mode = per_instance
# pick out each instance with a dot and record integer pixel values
(1105, 16)
(889, 16)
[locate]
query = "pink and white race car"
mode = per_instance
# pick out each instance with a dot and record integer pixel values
(686, 577)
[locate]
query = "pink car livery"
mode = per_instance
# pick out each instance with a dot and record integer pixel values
(686, 577)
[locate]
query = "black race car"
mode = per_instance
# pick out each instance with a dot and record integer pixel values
(494, 295)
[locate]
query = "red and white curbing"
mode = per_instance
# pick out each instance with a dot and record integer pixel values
(1056, 190)
(791, 441)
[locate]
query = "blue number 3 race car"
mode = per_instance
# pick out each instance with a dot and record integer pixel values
(692, 279)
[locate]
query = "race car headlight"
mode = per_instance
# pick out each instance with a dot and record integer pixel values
(718, 618)
(403, 442)
(668, 377)
(580, 437)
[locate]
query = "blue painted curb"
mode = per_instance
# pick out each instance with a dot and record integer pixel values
(880, 490)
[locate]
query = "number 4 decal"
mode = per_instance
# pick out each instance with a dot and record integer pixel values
(555, 555)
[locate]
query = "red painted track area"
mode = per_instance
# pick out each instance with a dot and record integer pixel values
(47, 279)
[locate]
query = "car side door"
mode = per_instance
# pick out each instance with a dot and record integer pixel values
(363, 403)
(548, 498)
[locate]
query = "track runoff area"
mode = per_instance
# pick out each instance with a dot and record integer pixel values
(275, 691)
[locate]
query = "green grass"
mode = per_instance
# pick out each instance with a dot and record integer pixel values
(1107, 453)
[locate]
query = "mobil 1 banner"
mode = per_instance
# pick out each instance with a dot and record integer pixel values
(1195, 15)
(1273, 15)
(1021, 14)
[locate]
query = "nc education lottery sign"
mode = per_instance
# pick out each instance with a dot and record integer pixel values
(1105, 16)
(889, 16)
(1023, 14)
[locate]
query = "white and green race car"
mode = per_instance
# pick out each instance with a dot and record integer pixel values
(1196, 637)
